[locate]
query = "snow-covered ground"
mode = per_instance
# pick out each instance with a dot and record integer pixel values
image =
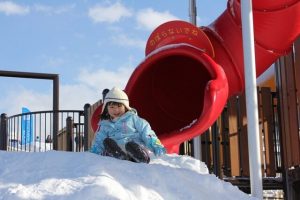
(34, 147)
(70, 176)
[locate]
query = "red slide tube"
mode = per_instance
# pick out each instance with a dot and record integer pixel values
(188, 74)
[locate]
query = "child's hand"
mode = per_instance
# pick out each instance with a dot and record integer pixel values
(159, 151)
(158, 148)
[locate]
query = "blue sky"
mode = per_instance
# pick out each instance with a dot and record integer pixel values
(92, 45)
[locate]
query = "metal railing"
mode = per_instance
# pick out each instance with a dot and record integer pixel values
(33, 131)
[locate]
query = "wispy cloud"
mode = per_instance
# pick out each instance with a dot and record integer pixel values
(40, 101)
(13, 101)
(54, 61)
(105, 78)
(11, 8)
(109, 14)
(124, 40)
(150, 19)
(71, 100)
(51, 10)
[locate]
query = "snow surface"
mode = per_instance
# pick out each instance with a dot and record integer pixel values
(83, 175)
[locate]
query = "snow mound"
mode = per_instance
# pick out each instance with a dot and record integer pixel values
(70, 176)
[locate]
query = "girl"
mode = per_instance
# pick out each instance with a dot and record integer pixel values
(122, 133)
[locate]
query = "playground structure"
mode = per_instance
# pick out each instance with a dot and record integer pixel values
(189, 73)
(187, 67)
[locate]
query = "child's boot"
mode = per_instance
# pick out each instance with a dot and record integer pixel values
(113, 150)
(137, 152)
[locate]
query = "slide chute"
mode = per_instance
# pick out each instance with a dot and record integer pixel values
(189, 72)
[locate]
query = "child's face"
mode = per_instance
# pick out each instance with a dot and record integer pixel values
(116, 110)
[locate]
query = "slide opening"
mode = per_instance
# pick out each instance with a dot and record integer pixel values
(170, 93)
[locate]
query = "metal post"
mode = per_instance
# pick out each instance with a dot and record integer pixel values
(55, 110)
(193, 20)
(69, 132)
(86, 126)
(3, 132)
(251, 100)
(193, 12)
(216, 149)
(104, 93)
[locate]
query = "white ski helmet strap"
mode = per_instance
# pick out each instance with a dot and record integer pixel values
(116, 95)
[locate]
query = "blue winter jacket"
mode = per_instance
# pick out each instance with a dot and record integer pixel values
(128, 127)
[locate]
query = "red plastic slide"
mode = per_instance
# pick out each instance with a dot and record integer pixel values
(188, 74)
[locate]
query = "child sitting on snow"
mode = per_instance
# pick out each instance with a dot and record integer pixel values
(122, 133)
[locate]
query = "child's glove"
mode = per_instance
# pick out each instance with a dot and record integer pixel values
(159, 151)
(158, 148)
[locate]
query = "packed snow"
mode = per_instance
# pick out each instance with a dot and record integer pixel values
(83, 175)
